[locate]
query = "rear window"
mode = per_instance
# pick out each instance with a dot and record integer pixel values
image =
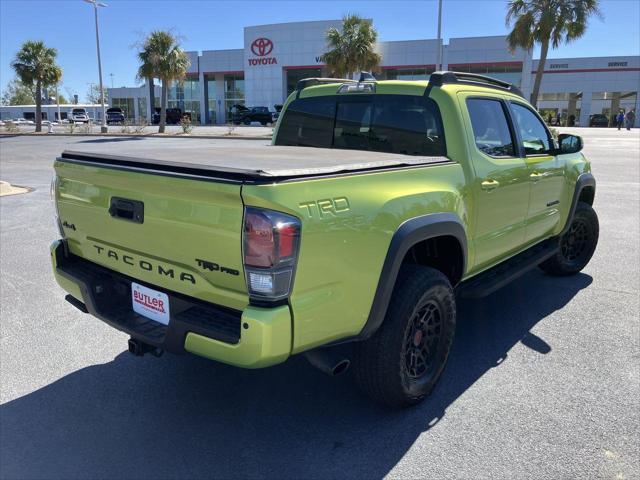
(403, 124)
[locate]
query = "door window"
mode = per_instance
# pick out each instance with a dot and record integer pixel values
(535, 138)
(490, 127)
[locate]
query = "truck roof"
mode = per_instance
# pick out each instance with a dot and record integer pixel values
(242, 162)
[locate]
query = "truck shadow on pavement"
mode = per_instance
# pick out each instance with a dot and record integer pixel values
(186, 417)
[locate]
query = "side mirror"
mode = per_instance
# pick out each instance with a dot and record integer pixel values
(569, 143)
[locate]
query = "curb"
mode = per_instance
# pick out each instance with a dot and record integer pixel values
(133, 135)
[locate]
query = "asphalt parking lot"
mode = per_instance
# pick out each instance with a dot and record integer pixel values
(543, 380)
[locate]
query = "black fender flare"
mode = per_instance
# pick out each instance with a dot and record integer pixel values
(407, 235)
(584, 180)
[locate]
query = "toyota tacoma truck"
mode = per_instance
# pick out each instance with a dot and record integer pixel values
(376, 206)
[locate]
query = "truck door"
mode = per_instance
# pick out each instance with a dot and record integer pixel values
(546, 172)
(500, 189)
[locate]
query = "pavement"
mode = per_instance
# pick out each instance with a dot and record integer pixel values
(543, 380)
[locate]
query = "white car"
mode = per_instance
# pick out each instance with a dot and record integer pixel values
(79, 115)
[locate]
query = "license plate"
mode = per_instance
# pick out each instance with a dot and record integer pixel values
(150, 303)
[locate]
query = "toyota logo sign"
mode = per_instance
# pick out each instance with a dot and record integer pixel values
(262, 47)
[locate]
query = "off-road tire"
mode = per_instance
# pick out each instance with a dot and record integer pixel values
(383, 364)
(576, 245)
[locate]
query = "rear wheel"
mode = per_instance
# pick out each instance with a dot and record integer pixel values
(576, 245)
(402, 362)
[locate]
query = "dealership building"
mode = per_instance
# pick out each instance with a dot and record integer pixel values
(275, 57)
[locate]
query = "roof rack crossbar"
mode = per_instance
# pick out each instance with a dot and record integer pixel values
(438, 79)
(310, 82)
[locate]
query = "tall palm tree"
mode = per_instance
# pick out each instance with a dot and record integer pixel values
(352, 48)
(161, 57)
(548, 23)
(35, 65)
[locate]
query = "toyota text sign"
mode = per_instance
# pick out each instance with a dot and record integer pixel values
(261, 48)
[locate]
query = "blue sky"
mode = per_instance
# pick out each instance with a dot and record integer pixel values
(209, 25)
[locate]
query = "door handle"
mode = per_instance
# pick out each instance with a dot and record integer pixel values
(489, 185)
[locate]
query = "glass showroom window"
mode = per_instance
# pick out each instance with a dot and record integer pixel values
(295, 74)
(507, 72)
(142, 108)
(211, 100)
(126, 104)
(233, 92)
(185, 95)
(406, 73)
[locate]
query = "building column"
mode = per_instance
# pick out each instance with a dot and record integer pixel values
(221, 115)
(203, 99)
(615, 106)
(585, 108)
(571, 107)
(136, 112)
(147, 96)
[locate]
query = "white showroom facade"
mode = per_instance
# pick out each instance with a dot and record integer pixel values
(275, 57)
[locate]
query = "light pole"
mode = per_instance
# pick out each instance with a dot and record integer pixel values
(439, 61)
(96, 4)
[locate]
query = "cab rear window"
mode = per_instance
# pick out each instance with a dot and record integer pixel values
(403, 124)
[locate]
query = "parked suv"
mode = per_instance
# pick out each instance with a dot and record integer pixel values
(115, 115)
(245, 115)
(79, 115)
(379, 204)
(174, 115)
(598, 120)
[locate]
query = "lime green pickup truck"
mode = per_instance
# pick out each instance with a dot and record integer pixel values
(378, 204)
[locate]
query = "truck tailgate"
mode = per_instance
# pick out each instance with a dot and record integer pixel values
(179, 234)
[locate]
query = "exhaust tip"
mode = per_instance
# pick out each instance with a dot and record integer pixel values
(328, 361)
(341, 367)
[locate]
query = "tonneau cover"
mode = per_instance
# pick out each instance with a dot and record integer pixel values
(254, 162)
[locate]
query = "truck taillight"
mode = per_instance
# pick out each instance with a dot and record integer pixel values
(271, 241)
(53, 193)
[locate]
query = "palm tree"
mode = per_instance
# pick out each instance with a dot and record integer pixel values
(35, 66)
(351, 49)
(161, 57)
(548, 23)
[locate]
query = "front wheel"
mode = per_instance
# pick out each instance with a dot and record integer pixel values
(402, 362)
(576, 245)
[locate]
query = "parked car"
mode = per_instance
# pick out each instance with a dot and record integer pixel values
(355, 226)
(174, 115)
(79, 115)
(598, 120)
(276, 114)
(246, 115)
(115, 115)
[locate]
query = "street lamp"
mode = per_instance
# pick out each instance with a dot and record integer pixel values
(439, 60)
(96, 4)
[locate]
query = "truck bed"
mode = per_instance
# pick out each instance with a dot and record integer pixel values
(240, 163)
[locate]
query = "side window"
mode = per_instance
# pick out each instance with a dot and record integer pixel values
(308, 122)
(535, 138)
(490, 127)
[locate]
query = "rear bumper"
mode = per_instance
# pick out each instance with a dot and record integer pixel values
(253, 338)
